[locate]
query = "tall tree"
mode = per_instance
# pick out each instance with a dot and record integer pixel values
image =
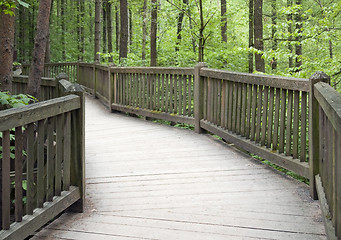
(179, 27)
(144, 30)
(223, 21)
(298, 38)
(251, 33)
(97, 30)
(124, 29)
(273, 32)
(153, 33)
(290, 48)
(117, 20)
(258, 34)
(6, 49)
(104, 25)
(38, 60)
(109, 28)
(63, 16)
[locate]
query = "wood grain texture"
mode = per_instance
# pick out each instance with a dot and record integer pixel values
(150, 181)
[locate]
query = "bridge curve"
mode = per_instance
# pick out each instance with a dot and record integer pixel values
(145, 180)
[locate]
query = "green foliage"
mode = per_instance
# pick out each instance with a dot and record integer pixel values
(7, 6)
(15, 101)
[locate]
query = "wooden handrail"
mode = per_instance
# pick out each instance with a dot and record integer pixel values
(51, 133)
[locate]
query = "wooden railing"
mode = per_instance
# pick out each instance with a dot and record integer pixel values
(276, 118)
(42, 165)
(51, 70)
(328, 155)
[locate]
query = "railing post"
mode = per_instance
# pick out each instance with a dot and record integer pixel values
(77, 172)
(59, 77)
(198, 97)
(314, 145)
(94, 75)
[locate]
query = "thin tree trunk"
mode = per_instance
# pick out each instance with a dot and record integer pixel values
(104, 25)
(289, 19)
(179, 27)
(130, 29)
(6, 51)
(153, 33)
(109, 28)
(62, 12)
(273, 32)
(117, 19)
(258, 29)
(251, 32)
(97, 30)
(223, 21)
(37, 65)
(201, 33)
(123, 29)
(298, 39)
(144, 31)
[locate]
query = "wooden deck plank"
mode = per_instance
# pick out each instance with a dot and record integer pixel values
(151, 181)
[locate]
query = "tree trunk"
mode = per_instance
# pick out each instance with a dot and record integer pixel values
(201, 33)
(63, 15)
(144, 31)
(251, 32)
(153, 33)
(123, 29)
(179, 29)
(130, 29)
(289, 19)
(223, 21)
(273, 32)
(37, 65)
(109, 28)
(117, 19)
(104, 25)
(80, 30)
(97, 30)
(258, 29)
(298, 39)
(6, 51)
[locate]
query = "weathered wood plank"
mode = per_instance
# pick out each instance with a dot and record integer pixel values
(282, 121)
(16, 117)
(19, 144)
(5, 181)
(40, 163)
(30, 192)
(261, 80)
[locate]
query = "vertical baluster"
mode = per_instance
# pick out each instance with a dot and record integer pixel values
(167, 96)
(176, 93)
(205, 111)
(6, 183)
(259, 113)
(282, 121)
(230, 106)
(163, 89)
(67, 151)
(234, 108)
(253, 110)
(30, 192)
(270, 117)
(239, 106)
(276, 120)
(40, 164)
(18, 173)
(289, 124)
(159, 89)
(218, 99)
(296, 124)
(223, 104)
(303, 127)
(248, 110)
(184, 95)
(264, 116)
(190, 97)
(59, 153)
(243, 109)
(180, 78)
(50, 160)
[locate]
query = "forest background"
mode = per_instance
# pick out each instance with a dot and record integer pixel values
(278, 37)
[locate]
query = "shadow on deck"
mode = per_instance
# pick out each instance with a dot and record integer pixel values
(149, 181)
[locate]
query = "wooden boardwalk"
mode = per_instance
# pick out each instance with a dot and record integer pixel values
(150, 181)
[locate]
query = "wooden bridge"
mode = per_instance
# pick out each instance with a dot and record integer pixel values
(145, 180)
